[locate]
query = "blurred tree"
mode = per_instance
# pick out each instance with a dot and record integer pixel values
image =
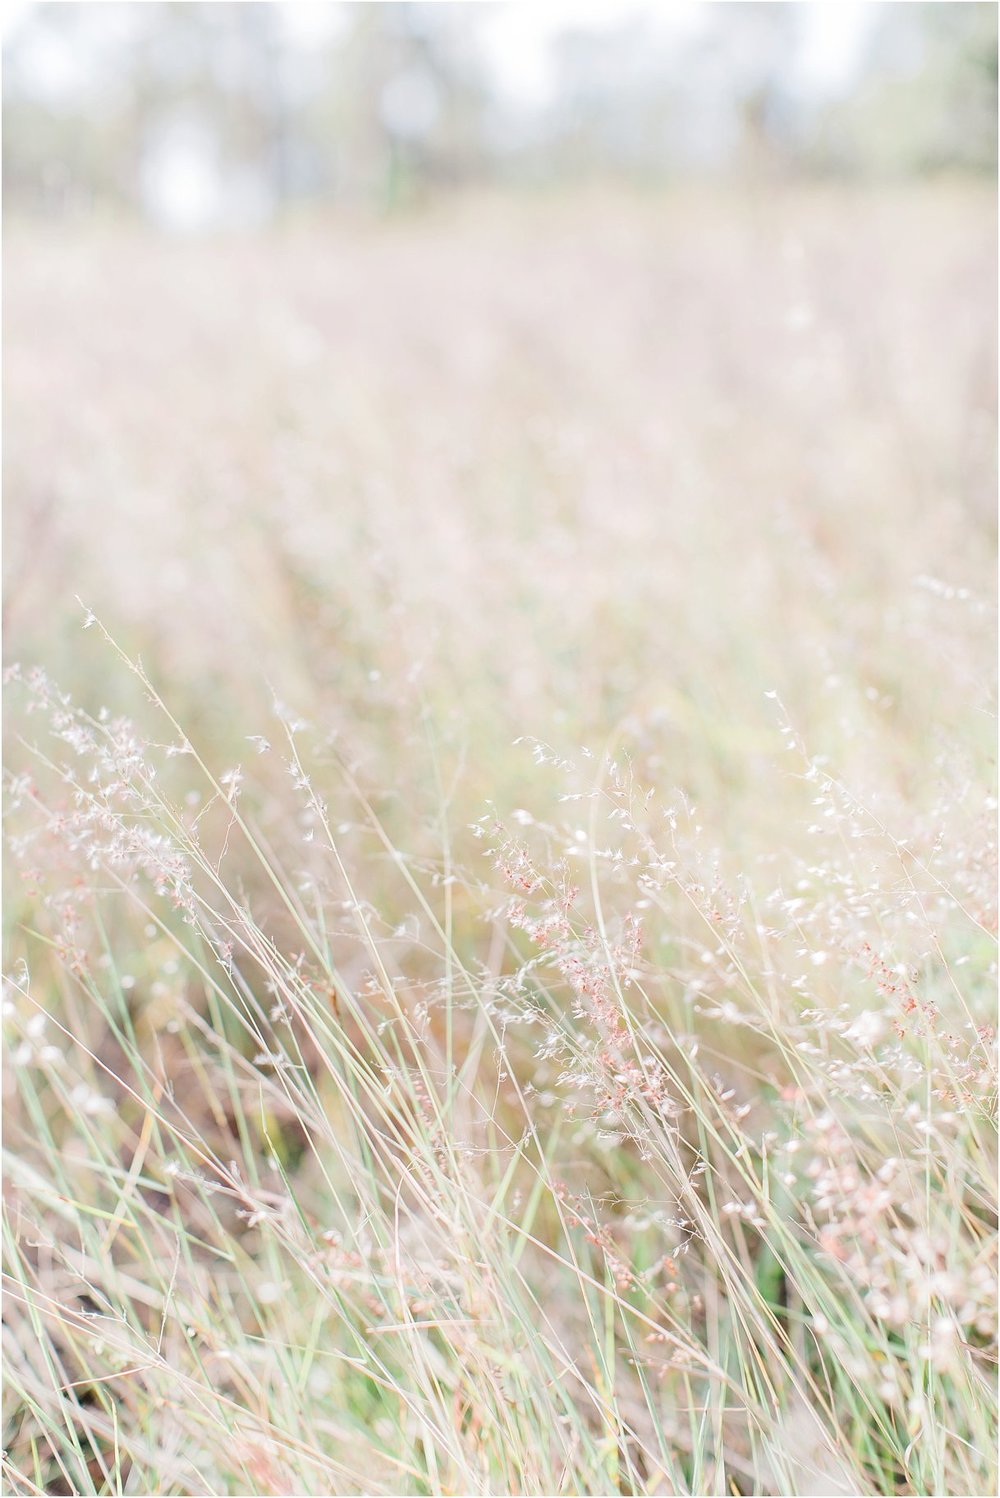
(408, 102)
(927, 97)
(208, 114)
(613, 102)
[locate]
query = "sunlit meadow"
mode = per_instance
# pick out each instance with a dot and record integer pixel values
(500, 958)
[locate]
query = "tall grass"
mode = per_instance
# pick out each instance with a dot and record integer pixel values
(501, 953)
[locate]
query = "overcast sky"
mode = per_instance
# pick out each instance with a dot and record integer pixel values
(519, 37)
(516, 37)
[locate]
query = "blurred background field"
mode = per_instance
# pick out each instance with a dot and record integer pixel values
(582, 423)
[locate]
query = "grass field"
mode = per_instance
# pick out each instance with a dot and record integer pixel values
(500, 920)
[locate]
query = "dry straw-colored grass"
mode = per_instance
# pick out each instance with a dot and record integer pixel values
(501, 909)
